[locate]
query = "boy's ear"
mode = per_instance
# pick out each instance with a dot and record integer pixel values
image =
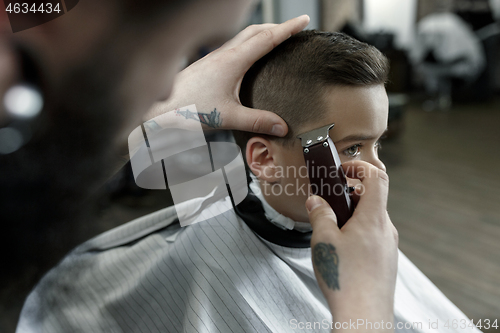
(260, 159)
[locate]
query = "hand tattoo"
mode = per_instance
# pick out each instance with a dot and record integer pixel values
(326, 260)
(212, 119)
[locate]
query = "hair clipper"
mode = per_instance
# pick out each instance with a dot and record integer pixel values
(325, 173)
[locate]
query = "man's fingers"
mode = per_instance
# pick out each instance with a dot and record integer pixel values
(375, 186)
(321, 215)
(253, 120)
(262, 43)
(246, 34)
(356, 194)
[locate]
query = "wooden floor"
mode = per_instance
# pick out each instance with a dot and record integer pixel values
(445, 201)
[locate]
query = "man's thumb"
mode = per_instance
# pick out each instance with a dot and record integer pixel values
(321, 214)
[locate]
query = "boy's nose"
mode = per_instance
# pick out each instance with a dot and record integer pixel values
(381, 165)
(378, 163)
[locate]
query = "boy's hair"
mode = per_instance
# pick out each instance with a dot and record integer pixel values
(292, 79)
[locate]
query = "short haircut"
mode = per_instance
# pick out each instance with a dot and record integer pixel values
(292, 79)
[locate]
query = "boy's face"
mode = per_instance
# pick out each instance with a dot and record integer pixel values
(360, 117)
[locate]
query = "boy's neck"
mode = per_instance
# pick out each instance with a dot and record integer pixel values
(281, 203)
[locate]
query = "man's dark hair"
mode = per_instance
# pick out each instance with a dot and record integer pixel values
(292, 79)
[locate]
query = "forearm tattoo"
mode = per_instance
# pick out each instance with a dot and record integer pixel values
(212, 119)
(326, 260)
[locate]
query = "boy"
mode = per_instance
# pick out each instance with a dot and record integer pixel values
(250, 272)
(316, 79)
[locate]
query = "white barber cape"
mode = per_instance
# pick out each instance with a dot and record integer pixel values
(151, 275)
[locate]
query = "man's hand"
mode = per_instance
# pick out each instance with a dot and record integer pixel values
(356, 266)
(213, 82)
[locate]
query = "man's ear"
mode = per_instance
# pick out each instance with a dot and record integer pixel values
(260, 159)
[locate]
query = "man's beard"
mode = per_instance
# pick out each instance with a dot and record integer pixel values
(46, 187)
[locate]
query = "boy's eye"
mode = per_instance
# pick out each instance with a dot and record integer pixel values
(378, 145)
(353, 151)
